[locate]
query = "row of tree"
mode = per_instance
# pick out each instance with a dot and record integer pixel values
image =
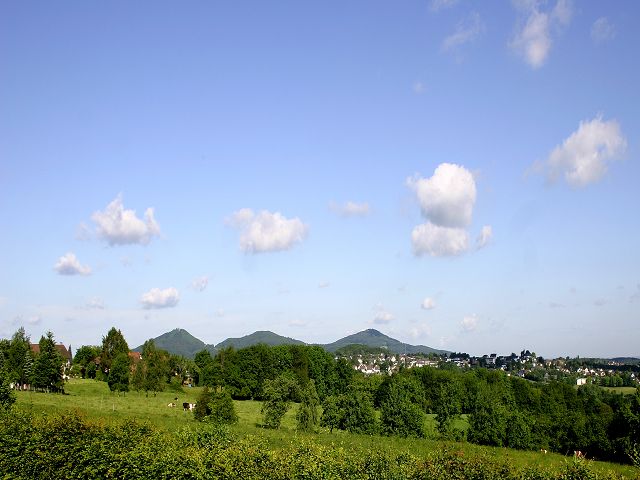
(37, 369)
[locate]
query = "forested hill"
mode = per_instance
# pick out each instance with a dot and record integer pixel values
(374, 338)
(181, 342)
(266, 337)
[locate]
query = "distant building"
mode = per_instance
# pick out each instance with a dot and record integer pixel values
(62, 350)
(581, 381)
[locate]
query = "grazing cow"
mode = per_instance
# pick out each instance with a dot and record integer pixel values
(543, 450)
(578, 454)
(185, 406)
(171, 405)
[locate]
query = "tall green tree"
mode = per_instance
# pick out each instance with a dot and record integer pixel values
(119, 373)
(84, 355)
(112, 345)
(307, 415)
(222, 409)
(447, 407)
(277, 398)
(15, 358)
(47, 368)
(399, 415)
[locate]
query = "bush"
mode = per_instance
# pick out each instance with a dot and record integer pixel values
(222, 409)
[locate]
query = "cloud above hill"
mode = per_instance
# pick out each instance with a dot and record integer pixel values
(267, 232)
(68, 264)
(119, 226)
(160, 298)
(446, 200)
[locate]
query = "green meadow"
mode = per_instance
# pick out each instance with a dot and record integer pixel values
(93, 401)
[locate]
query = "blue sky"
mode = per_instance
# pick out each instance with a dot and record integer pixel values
(457, 174)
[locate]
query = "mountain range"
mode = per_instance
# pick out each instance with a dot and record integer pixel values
(181, 342)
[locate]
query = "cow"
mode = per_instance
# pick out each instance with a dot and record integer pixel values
(578, 454)
(188, 406)
(171, 405)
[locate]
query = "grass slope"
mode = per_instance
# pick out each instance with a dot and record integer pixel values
(93, 400)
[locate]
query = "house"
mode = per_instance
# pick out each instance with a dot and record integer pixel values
(581, 381)
(64, 352)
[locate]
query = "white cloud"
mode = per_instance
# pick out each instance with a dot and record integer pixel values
(584, 156)
(437, 5)
(419, 87)
(266, 231)
(118, 226)
(439, 241)
(446, 198)
(160, 298)
(200, 283)
(382, 316)
(95, 303)
(30, 320)
(602, 30)
(469, 323)
(220, 313)
(68, 264)
(324, 285)
(466, 31)
(428, 303)
(534, 39)
(297, 323)
(420, 331)
(3, 301)
(486, 234)
(350, 209)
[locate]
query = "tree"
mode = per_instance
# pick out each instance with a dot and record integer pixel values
(400, 416)
(202, 409)
(47, 368)
(156, 364)
(85, 355)
(118, 379)
(277, 397)
(113, 344)
(7, 397)
(222, 409)
(307, 415)
(331, 413)
(447, 408)
(15, 357)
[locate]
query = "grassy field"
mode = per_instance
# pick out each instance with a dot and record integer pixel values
(624, 390)
(93, 400)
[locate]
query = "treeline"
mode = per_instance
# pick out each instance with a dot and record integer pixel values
(22, 367)
(501, 410)
(67, 446)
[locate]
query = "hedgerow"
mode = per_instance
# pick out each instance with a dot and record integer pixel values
(67, 446)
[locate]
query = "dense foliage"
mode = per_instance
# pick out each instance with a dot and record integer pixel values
(69, 447)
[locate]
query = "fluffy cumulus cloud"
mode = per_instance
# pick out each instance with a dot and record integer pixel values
(350, 209)
(486, 234)
(160, 298)
(428, 303)
(584, 156)
(469, 323)
(118, 226)
(69, 265)
(199, 284)
(467, 31)
(439, 241)
(382, 316)
(266, 231)
(446, 200)
(602, 30)
(534, 37)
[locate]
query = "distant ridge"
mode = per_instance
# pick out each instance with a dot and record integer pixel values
(261, 336)
(374, 338)
(181, 342)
